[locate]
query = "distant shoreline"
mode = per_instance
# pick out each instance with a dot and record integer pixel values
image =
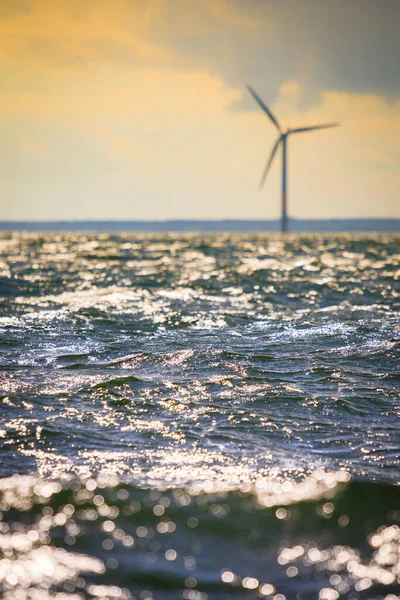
(221, 226)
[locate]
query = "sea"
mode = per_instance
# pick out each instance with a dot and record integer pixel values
(199, 416)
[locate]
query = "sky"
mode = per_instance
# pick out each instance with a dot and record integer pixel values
(138, 109)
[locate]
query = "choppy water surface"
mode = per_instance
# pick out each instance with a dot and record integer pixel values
(193, 416)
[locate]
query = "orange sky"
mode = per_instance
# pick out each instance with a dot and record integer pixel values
(137, 109)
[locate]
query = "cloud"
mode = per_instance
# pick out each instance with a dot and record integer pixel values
(40, 34)
(137, 102)
(341, 45)
(37, 34)
(123, 95)
(347, 46)
(233, 15)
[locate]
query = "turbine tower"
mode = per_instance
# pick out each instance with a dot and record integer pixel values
(282, 139)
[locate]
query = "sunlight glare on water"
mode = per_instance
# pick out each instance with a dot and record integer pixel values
(199, 416)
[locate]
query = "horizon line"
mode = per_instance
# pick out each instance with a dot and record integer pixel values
(354, 225)
(197, 219)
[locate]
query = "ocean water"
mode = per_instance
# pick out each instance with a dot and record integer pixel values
(199, 416)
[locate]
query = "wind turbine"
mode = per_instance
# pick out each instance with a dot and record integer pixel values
(282, 139)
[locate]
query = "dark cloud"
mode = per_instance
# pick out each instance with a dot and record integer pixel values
(345, 45)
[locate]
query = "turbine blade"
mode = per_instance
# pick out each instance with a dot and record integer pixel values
(271, 158)
(264, 107)
(301, 129)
